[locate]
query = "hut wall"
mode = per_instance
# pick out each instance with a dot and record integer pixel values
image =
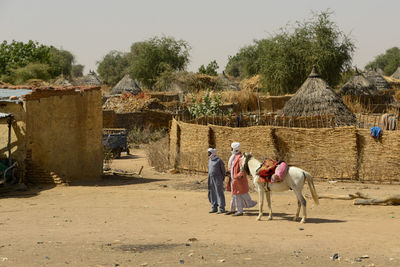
(273, 103)
(194, 142)
(64, 136)
(379, 159)
(326, 153)
(18, 131)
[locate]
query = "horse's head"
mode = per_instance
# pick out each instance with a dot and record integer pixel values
(245, 160)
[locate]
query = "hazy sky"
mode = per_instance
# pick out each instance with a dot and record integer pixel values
(214, 29)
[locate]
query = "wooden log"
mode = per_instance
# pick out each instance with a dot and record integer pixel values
(390, 200)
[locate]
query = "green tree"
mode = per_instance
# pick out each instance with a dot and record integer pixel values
(18, 54)
(30, 71)
(388, 62)
(207, 107)
(77, 70)
(60, 62)
(285, 59)
(211, 69)
(149, 59)
(113, 67)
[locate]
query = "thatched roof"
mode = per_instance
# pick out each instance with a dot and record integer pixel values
(358, 85)
(62, 81)
(90, 79)
(126, 85)
(396, 74)
(377, 79)
(315, 97)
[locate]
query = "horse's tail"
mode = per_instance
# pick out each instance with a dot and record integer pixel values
(312, 187)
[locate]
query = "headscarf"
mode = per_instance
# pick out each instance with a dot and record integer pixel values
(235, 150)
(213, 152)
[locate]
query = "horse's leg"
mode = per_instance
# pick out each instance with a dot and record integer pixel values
(303, 203)
(298, 210)
(268, 193)
(260, 202)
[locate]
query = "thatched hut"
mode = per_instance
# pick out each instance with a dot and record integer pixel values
(377, 79)
(358, 85)
(314, 98)
(126, 85)
(396, 74)
(91, 79)
(62, 81)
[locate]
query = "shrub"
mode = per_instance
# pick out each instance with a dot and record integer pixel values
(157, 154)
(145, 136)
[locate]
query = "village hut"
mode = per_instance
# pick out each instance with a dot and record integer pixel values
(315, 98)
(358, 85)
(377, 79)
(126, 85)
(90, 79)
(62, 81)
(396, 74)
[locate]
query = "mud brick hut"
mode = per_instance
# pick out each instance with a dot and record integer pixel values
(56, 134)
(315, 98)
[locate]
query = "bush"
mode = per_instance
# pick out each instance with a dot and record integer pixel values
(31, 71)
(157, 154)
(145, 136)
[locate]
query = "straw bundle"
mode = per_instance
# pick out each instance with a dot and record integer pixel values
(193, 147)
(325, 153)
(379, 159)
(257, 139)
(252, 84)
(315, 97)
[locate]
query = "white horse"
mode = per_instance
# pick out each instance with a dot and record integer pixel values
(294, 179)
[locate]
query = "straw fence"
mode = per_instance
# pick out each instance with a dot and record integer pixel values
(344, 153)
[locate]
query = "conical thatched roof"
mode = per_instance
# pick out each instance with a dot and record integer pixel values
(358, 85)
(396, 74)
(126, 85)
(315, 97)
(377, 79)
(379, 71)
(90, 79)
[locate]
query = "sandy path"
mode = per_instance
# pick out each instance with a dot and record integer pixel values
(149, 220)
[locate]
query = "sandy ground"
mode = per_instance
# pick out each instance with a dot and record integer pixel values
(162, 219)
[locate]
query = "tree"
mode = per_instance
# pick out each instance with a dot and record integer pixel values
(77, 70)
(60, 62)
(211, 69)
(18, 54)
(149, 59)
(30, 71)
(388, 62)
(285, 59)
(113, 67)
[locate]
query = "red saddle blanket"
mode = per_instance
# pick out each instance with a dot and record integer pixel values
(272, 171)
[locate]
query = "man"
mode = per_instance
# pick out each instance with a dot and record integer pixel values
(216, 175)
(239, 186)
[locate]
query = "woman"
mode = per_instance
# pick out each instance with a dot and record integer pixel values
(239, 186)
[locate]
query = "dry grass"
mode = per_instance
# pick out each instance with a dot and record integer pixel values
(244, 100)
(252, 84)
(157, 154)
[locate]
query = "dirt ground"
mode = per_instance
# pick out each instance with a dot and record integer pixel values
(161, 219)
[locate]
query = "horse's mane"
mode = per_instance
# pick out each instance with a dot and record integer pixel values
(246, 163)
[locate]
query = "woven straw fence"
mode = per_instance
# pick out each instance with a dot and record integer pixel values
(326, 153)
(379, 159)
(257, 139)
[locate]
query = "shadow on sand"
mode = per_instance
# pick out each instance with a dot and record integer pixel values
(289, 217)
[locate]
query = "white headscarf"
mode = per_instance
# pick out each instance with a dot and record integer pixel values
(213, 152)
(235, 150)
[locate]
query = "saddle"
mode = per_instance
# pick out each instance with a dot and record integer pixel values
(266, 170)
(272, 171)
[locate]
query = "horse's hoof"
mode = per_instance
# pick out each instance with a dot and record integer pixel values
(295, 219)
(303, 221)
(269, 218)
(258, 219)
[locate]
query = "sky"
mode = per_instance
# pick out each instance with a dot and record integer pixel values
(215, 29)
